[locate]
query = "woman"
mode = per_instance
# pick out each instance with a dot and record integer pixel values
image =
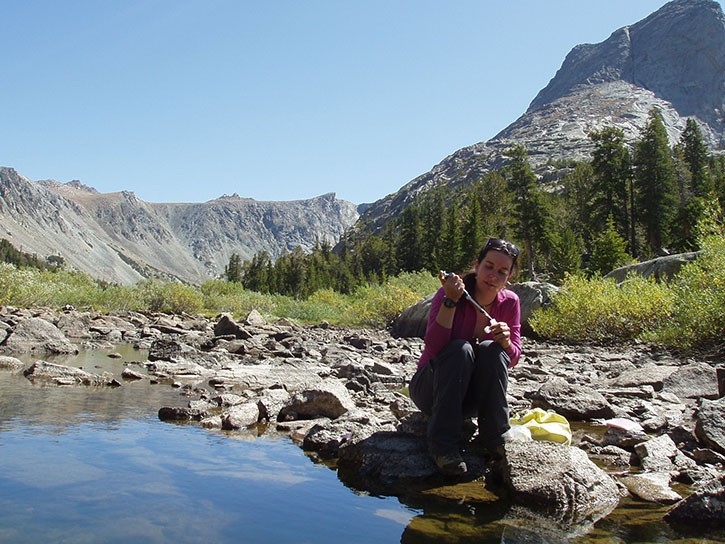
(463, 370)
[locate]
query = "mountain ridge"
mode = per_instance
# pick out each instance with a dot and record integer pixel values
(120, 238)
(612, 83)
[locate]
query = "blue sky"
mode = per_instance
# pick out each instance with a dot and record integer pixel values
(183, 101)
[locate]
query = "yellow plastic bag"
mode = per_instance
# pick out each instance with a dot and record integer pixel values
(544, 425)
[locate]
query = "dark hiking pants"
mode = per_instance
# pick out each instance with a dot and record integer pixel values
(463, 381)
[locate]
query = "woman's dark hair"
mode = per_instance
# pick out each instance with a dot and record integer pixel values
(501, 245)
(497, 244)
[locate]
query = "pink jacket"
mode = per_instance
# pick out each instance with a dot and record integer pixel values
(506, 308)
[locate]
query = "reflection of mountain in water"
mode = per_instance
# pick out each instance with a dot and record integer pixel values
(63, 406)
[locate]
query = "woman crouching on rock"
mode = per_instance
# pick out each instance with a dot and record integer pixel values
(463, 370)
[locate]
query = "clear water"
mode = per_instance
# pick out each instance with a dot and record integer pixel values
(96, 465)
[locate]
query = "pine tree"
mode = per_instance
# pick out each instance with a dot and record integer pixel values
(565, 253)
(451, 239)
(256, 274)
(689, 206)
(577, 198)
(612, 165)
(472, 236)
(609, 250)
(410, 256)
(495, 199)
(529, 213)
(432, 215)
(697, 158)
(717, 171)
(655, 180)
(233, 270)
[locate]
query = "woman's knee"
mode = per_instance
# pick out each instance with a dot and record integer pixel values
(458, 346)
(492, 355)
(457, 351)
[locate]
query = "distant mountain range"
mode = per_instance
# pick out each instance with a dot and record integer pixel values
(120, 238)
(673, 60)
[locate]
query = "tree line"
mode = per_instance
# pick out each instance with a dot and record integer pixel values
(21, 259)
(627, 203)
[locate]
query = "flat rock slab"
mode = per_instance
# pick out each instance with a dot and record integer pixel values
(576, 402)
(42, 371)
(651, 487)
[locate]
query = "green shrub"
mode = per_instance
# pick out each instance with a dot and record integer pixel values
(377, 305)
(222, 296)
(171, 297)
(698, 317)
(597, 309)
(30, 287)
(323, 305)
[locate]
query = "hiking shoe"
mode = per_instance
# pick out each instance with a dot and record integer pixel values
(451, 464)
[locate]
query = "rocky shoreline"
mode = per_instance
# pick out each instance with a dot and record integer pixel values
(643, 421)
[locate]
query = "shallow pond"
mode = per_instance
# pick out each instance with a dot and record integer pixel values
(96, 465)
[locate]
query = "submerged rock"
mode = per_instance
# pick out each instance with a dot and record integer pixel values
(41, 371)
(705, 507)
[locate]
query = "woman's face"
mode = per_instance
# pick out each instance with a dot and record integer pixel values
(493, 271)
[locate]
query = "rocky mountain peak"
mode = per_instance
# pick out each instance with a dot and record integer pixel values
(676, 53)
(673, 60)
(76, 184)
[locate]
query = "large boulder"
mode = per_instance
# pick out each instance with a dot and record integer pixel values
(694, 381)
(384, 461)
(704, 507)
(34, 334)
(533, 295)
(241, 416)
(710, 424)
(576, 402)
(228, 326)
(648, 374)
(10, 363)
(660, 454)
(412, 321)
(329, 398)
(559, 480)
(661, 268)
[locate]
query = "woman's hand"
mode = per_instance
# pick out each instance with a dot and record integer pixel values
(501, 333)
(453, 287)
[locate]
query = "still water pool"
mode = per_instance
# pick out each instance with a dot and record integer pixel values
(95, 465)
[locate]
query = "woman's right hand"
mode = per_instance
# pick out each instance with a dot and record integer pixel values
(453, 287)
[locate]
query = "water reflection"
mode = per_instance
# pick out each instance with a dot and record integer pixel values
(80, 464)
(62, 406)
(94, 464)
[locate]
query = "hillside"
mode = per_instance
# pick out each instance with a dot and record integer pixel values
(673, 60)
(120, 238)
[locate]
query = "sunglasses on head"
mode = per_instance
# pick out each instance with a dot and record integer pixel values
(501, 245)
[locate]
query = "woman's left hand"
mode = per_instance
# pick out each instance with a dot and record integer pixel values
(501, 333)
